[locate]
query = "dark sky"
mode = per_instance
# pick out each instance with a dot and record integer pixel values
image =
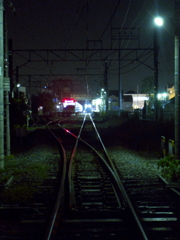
(66, 24)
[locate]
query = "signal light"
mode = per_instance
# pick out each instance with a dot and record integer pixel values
(69, 100)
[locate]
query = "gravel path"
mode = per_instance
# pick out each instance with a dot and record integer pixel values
(133, 165)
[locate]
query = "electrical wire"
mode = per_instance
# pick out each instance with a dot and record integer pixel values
(110, 20)
(136, 66)
(125, 18)
(74, 25)
(132, 27)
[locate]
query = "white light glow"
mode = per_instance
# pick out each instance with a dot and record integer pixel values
(162, 95)
(140, 98)
(88, 106)
(158, 21)
(98, 101)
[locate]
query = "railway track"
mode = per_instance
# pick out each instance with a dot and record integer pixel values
(94, 199)
(156, 206)
(96, 205)
(100, 205)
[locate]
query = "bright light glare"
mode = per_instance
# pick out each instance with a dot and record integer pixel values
(162, 95)
(87, 105)
(158, 21)
(141, 98)
(98, 101)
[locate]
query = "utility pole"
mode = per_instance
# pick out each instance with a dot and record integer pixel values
(158, 21)
(176, 80)
(155, 75)
(6, 92)
(120, 34)
(120, 83)
(1, 87)
(106, 84)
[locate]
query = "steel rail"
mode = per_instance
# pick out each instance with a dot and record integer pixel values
(115, 176)
(49, 230)
(112, 174)
(71, 191)
(104, 148)
(128, 202)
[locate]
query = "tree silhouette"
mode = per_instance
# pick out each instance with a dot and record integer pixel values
(147, 87)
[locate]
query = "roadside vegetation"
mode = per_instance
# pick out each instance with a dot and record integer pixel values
(170, 168)
(20, 178)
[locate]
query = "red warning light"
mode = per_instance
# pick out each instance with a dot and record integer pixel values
(69, 100)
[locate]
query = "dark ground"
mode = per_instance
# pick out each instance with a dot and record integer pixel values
(142, 135)
(137, 135)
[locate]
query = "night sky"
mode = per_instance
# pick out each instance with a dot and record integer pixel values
(68, 24)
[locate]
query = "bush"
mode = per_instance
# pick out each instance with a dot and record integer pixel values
(170, 168)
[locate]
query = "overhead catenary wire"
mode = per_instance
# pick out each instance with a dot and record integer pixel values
(124, 21)
(75, 20)
(73, 25)
(130, 28)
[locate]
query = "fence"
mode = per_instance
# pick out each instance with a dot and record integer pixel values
(167, 147)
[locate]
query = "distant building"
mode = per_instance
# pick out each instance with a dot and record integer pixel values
(130, 101)
(137, 99)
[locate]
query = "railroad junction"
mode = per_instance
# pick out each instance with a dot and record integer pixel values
(115, 193)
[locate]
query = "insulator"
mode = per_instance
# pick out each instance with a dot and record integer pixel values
(13, 9)
(10, 4)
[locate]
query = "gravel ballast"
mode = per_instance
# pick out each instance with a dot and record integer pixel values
(128, 162)
(35, 149)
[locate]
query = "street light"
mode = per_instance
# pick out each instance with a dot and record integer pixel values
(158, 23)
